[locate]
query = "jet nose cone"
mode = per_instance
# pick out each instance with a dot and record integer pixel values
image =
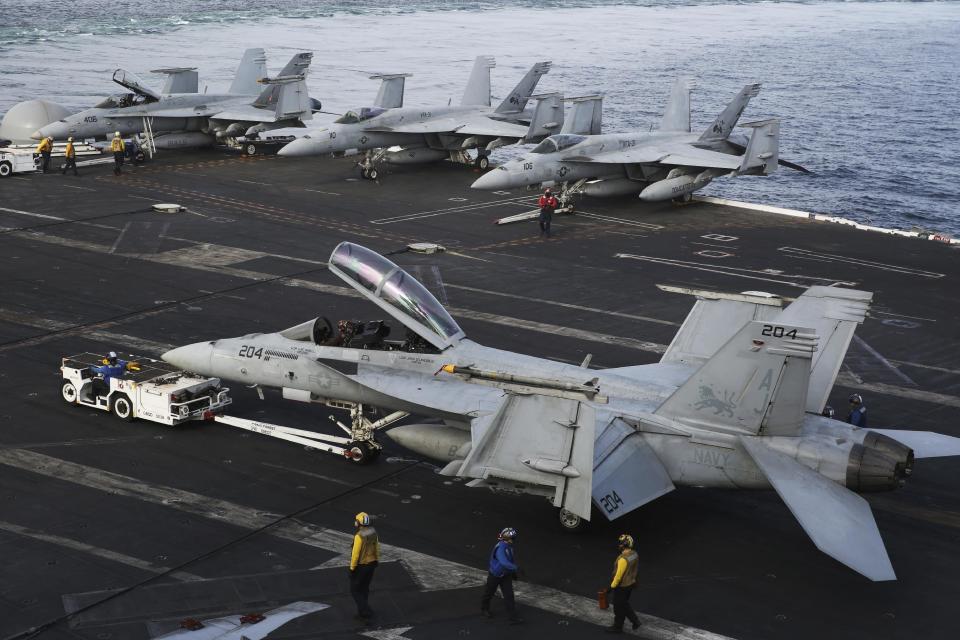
(301, 147)
(37, 135)
(192, 357)
(492, 180)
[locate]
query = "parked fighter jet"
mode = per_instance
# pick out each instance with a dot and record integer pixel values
(429, 134)
(735, 402)
(198, 119)
(670, 163)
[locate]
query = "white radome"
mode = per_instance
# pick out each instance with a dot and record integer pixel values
(24, 118)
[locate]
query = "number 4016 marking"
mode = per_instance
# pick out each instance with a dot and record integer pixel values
(778, 332)
(611, 502)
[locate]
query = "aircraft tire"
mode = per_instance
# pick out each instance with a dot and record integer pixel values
(362, 453)
(68, 392)
(5, 169)
(121, 407)
(364, 173)
(372, 174)
(482, 163)
(570, 522)
(250, 149)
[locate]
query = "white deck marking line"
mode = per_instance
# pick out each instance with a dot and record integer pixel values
(850, 381)
(857, 261)
(925, 366)
(70, 186)
(429, 572)
(329, 193)
(463, 208)
(31, 214)
(886, 363)
(107, 554)
(566, 305)
(874, 312)
(634, 223)
(142, 198)
(262, 184)
(320, 476)
(116, 243)
(727, 271)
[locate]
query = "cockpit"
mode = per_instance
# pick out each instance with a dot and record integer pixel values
(353, 117)
(365, 334)
(396, 292)
(120, 101)
(558, 143)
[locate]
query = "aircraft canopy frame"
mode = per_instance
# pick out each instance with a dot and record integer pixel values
(396, 292)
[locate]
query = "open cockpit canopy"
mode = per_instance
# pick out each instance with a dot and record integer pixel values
(558, 142)
(396, 292)
(353, 117)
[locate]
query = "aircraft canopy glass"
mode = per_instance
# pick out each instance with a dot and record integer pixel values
(558, 143)
(119, 101)
(391, 284)
(353, 117)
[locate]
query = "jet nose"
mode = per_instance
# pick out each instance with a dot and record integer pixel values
(192, 357)
(499, 178)
(37, 135)
(301, 147)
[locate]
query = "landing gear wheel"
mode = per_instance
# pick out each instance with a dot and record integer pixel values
(361, 452)
(250, 149)
(122, 408)
(372, 174)
(482, 163)
(5, 169)
(68, 392)
(364, 173)
(571, 522)
(571, 208)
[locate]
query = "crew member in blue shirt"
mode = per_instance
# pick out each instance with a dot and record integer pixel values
(503, 569)
(113, 367)
(858, 412)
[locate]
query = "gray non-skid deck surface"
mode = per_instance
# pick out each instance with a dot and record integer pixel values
(89, 504)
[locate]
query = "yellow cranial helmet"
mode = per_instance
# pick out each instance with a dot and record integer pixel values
(362, 519)
(625, 540)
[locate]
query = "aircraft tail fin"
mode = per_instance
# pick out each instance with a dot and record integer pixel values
(547, 117)
(183, 80)
(516, 100)
(833, 313)
(586, 116)
(252, 69)
(390, 94)
(721, 127)
(477, 92)
(755, 383)
(763, 151)
(287, 94)
(676, 116)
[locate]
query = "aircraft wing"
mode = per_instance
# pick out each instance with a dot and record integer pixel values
(540, 443)
(449, 396)
(248, 114)
(492, 128)
(686, 156)
(439, 125)
(838, 521)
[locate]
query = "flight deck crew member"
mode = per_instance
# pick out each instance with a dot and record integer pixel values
(112, 367)
(502, 570)
(118, 149)
(71, 158)
(858, 413)
(548, 204)
(624, 580)
(44, 149)
(363, 562)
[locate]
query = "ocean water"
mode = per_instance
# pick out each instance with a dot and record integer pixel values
(868, 92)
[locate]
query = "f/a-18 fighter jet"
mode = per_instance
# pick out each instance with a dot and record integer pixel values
(670, 163)
(430, 134)
(735, 403)
(198, 119)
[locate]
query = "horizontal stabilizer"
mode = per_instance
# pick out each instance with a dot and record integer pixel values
(925, 444)
(627, 473)
(838, 521)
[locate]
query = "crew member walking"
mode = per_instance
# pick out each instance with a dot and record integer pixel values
(624, 580)
(363, 562)
(70, 154)
(502, 570)
(858, 412)
(548, 204)
(44, 149)
(118, 149)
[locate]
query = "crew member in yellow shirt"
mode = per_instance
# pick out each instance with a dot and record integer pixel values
(44, 149)
(118, 149)
(70, 155)
(624, 580)
(363, 562)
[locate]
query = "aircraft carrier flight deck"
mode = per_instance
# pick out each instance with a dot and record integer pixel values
(115, 530)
